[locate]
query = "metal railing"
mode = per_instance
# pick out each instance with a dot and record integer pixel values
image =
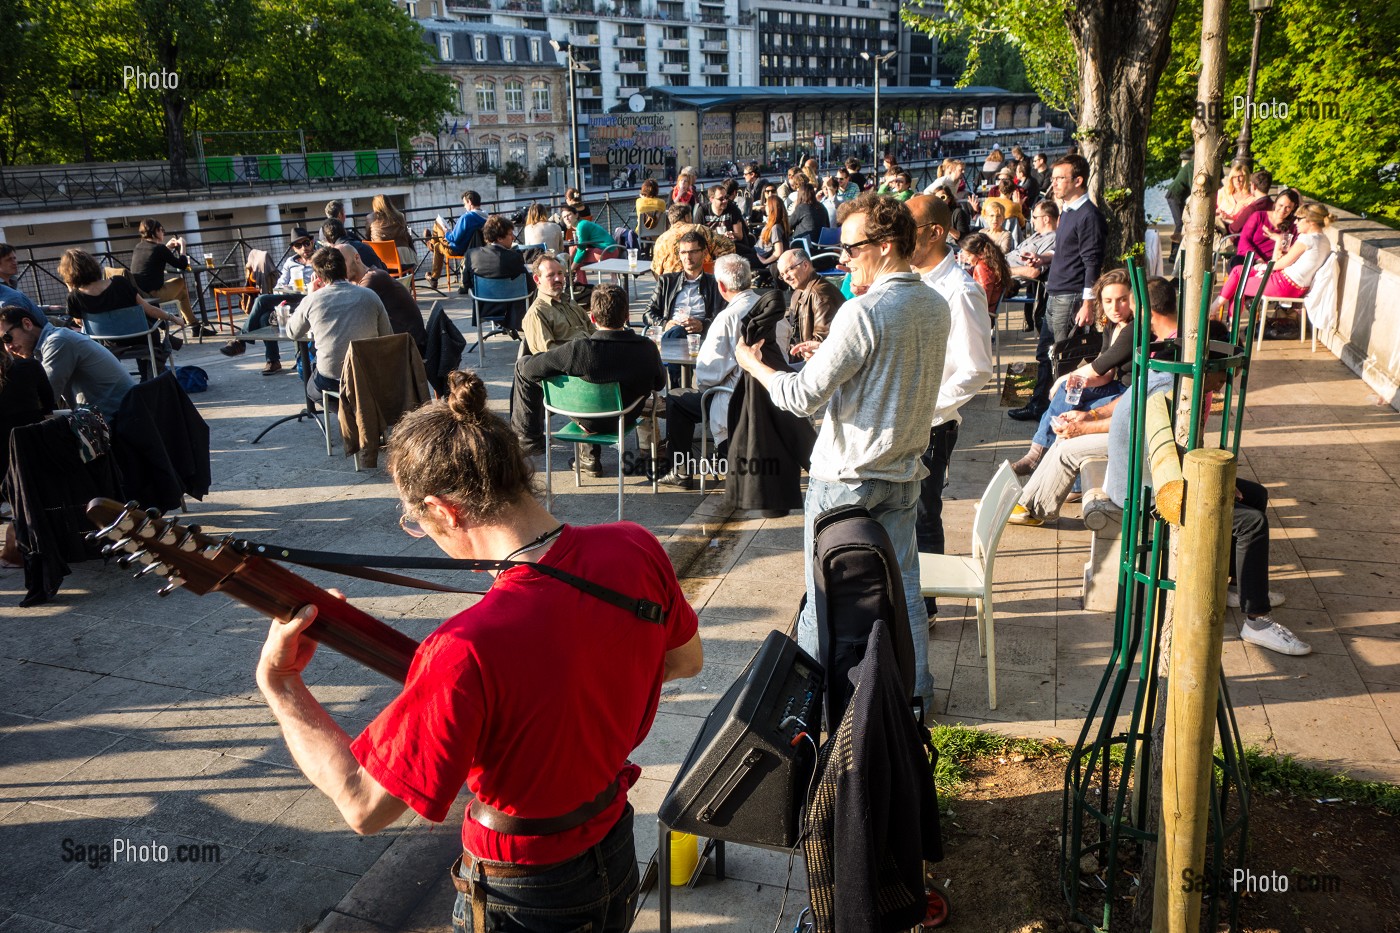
(73, 185)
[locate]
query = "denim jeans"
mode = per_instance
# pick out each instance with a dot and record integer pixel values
(1093, 397)
(895, 506)
(1058, 322)
(595, 892)
(261, 316)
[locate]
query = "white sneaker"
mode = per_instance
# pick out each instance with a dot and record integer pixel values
(1232, 598)
(1273, 636)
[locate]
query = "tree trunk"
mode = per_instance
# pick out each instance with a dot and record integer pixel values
(174, 103)
(1199, 244)
(1122, 47)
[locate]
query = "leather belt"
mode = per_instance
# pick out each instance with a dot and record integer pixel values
(510, 825)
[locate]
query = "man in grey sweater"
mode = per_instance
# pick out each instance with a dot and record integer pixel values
(878, 372)
(333, 315)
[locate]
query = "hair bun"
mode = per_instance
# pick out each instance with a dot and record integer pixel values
(466, 395)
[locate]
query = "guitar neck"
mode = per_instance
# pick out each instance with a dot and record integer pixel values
(277, 592)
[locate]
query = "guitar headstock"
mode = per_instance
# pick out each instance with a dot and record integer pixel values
(182, 554)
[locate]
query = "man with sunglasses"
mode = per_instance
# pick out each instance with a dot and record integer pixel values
(878, 372)
(79, 368)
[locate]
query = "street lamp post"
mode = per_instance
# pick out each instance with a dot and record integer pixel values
(877, 60)
(1242, 144)
(564, 46)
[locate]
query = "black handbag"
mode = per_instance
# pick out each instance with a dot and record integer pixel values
(1069, 354)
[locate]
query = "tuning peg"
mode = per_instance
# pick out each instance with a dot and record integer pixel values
(124, 524)
(190, 541)
(171, 585)
(132, 558)
(155, 567)
(153, 513)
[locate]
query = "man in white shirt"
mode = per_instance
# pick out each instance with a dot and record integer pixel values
(715, 366)
(967, 364)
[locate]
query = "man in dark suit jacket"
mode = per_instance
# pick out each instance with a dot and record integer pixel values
(1079, 258)
(498, 259)
(612, 353)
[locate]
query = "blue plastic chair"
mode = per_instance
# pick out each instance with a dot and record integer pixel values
(497, 295)
(573, 398)
(125, 324)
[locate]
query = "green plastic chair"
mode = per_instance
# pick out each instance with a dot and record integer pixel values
(573, 397)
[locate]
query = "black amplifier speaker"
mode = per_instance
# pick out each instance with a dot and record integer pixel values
(745, 777)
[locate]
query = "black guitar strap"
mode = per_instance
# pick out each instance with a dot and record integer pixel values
(359, 565)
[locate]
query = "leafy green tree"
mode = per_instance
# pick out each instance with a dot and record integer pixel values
(1335, 68)
(1098, 60)
(1034, 31)
(351, 73)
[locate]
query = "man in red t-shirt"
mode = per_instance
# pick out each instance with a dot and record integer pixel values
(533, 697)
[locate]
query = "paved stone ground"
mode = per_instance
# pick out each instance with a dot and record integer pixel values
(127, 717)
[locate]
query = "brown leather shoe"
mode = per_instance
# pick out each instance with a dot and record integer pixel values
(272, 368)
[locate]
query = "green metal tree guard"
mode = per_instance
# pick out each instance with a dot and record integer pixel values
(1106, 814)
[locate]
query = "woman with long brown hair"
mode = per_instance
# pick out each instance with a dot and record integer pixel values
(541, 231)
(1098, 381)
(92, 295)
(776, 234)
(533, 697)
(387, 222)
(984, 259)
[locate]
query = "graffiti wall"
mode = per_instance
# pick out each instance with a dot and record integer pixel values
(640, 143)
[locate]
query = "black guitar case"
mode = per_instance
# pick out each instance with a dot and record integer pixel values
(857, 581)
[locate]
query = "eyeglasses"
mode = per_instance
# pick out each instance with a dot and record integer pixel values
(8, 337)
(748, 174)
(849, 249)
(411, 528)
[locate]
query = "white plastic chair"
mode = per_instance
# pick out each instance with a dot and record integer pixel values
(1323, 281)
(971, 577)
(1320, 307)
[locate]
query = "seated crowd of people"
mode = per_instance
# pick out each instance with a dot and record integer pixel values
(719, 251)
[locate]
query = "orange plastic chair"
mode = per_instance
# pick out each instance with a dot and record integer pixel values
(244, 295)
(388, 253)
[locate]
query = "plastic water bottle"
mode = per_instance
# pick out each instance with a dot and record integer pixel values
(283, 313)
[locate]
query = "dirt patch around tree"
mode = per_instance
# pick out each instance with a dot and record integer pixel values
(1002, 846)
